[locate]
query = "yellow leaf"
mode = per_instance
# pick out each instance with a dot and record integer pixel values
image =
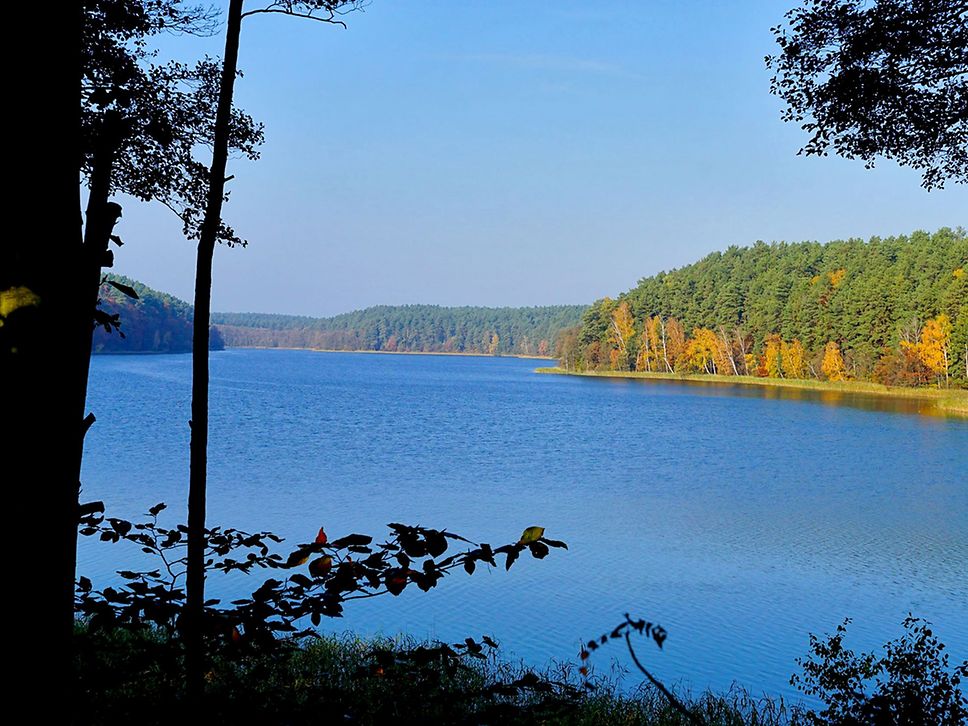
(16, 297)
(531, 534)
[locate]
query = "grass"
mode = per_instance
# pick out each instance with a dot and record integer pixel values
(948, 402)
(131, 677)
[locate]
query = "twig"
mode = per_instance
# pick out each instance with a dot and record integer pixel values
(676, 703)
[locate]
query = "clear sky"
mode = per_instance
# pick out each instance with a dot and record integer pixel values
(513, 153)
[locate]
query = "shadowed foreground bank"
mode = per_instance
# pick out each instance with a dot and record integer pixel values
(129, 676)
(134, 674)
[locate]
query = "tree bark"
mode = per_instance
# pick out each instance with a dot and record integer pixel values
(38, 269)
(208, 236)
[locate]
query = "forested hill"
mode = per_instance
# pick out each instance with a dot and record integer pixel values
(408, 328)
(155, 322)
(892, 309)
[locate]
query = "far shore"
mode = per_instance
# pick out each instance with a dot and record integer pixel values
(952, 402)
(394, 352)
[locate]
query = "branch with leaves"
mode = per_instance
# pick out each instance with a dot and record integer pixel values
(326, 573)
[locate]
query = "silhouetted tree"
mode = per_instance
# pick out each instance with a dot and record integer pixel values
(130, 126)
(886, 78)
(209, 233)
(37, 257)
(140, 124)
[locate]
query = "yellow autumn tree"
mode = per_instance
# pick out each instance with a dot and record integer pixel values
(933, 347)
(701, 350)
(794, 359)
(675, 343)
(646, 356)
(655, 332)
(725, 359)
(773, 355)
(621, 329)
(832, 365)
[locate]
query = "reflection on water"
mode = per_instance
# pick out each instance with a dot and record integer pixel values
(739, 518)
(855, 399)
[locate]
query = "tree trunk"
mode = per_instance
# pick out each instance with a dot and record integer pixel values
(195, 580)
(665, 351)
(729, 350)
(38, 270)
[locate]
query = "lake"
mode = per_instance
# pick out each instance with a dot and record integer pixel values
(739, 518)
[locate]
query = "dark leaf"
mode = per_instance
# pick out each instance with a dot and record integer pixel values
(512, 556)
(351, 540)
(126, 289)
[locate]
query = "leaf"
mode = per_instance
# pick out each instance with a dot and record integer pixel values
(321, 566)
(297, 558)
(469, 566)
(539, 550)
(301, 579)
(117, 240)
(321, 538)
(350, 540)
(512, 556)
(555, 543)
(126, 289)
(395, 581)
(436, 543)
(531, 534)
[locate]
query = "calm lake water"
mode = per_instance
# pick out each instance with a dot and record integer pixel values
(739, 518)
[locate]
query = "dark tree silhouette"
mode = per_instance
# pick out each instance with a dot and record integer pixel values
(140, 123)
(325, 11)
(37, 260)
(882, 79)
(130, 126)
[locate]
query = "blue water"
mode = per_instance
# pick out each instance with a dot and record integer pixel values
(739, 518)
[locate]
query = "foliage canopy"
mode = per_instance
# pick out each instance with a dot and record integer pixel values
(887, 78)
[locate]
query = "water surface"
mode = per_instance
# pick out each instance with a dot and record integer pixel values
(738, 518)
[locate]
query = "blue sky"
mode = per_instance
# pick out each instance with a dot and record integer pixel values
(509, 153)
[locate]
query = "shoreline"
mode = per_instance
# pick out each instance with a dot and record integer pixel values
(948, 402)
(393, 352)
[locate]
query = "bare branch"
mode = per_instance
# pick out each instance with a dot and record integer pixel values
(330, 19)
(676, 703)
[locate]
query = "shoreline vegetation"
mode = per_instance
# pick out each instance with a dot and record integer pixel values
(351, 679)
(882, 317)
(458, 354)
(949, 402)
(522, 331)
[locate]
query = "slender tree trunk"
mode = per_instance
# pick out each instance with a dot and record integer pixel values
(729, 350)
(665, 352)
(195, 579)
(741, 339)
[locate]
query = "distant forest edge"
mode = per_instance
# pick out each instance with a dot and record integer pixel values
(892, 310)
(408, 329)
(154, 322)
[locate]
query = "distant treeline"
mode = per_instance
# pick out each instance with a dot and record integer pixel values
(893, 310)
(408, 328)
(155, 322)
